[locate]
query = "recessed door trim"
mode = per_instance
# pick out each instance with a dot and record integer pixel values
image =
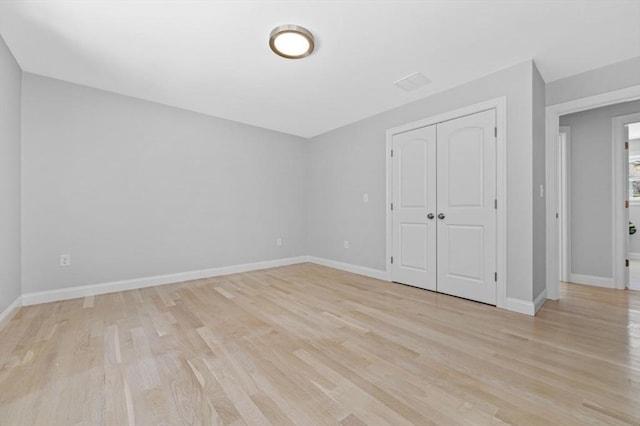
(500, 106)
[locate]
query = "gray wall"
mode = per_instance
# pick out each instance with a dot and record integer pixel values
(350, 161)
(539, 178)
(591, 187)
(10, 84)
(600, 80)
(133, 189)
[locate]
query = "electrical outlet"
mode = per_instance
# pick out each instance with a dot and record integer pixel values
(365, 198)
(346, 244)
(65, 260)
(279, 242)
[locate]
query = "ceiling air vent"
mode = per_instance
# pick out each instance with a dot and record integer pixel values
(412, 81)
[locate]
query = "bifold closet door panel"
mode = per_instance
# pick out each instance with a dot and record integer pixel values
(466, 193)
(414, 207)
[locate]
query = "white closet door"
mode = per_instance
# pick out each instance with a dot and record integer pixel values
(414, 199)
(466, 211)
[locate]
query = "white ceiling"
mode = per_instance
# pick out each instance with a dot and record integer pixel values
(213, 56)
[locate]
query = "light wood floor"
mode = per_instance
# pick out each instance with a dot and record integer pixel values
(309, 345)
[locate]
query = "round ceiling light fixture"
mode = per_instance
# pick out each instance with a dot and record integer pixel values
(291, 41)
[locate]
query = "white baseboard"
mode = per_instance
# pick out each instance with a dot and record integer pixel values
(515, 305)
(526, 307)
(539, 301)
(592, 280)
(360, 270)
(520, 306)
(11, 310)
(634, 256)
(136, 283)
(512, 304)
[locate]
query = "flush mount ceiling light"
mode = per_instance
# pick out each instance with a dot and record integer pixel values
(291, 41)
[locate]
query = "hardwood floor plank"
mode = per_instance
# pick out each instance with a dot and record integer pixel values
(270, 409)
(310, 345)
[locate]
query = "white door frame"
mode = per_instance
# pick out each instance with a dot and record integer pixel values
(564, 186)
(553, 113)
(500, 105)
(621, 189)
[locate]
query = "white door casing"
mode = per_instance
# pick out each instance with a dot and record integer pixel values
(620, 135)
(414, 201)
(625, 171)
(466, 193)
(564, 202)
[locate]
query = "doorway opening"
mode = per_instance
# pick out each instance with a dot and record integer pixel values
(632, 135)
(597, 176)
(552, 124)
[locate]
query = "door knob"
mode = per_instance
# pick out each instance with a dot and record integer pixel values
(441, 216)
(430, 216)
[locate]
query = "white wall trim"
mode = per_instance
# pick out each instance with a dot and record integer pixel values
(515, 305)
(500, 105)
(564, 201)
(10, 311)
(634, 286)
(389, 199)
(539, 301)
(526, 307)
(520, 306)
(360, 270)
(592, 280)
(552, 120)
(634, 256)
(136, 283)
